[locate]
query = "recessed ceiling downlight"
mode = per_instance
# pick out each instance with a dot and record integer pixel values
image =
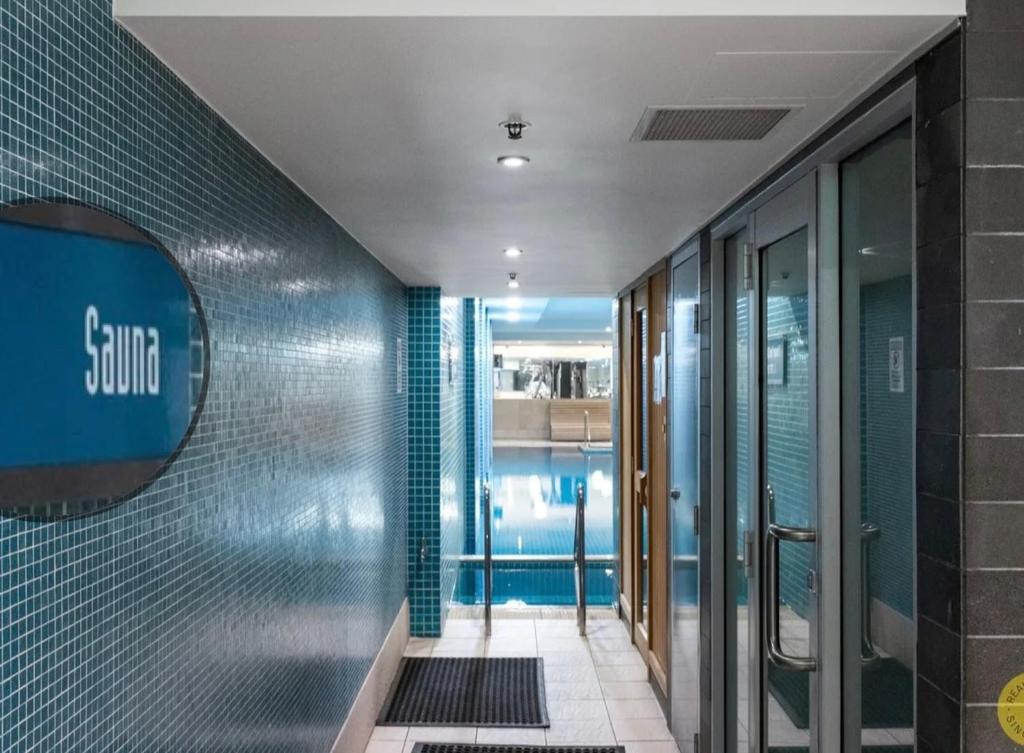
(513, 280)
(513, 160)
(512, 252)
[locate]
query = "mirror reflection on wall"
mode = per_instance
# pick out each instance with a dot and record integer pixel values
(553, 376)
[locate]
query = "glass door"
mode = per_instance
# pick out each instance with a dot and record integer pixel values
(818, 445)
(684, 495)
(784, 490)
(877, 363)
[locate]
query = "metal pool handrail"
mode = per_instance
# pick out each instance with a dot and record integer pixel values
(488, 560)
(579, 555)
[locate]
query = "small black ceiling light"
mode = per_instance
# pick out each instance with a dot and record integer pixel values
(514, 125)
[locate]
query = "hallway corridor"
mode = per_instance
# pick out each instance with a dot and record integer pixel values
(597, 689)
(334, 326)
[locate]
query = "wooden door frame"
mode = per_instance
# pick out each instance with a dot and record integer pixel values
(639, 484)
(651, 636)
(658, 623)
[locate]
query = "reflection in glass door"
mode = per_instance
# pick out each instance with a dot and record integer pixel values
(876, 190)
(684, 495)
(786, 508)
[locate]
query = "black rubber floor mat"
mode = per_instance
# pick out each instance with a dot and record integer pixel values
(865, 749)
(470, 748)
(468, 692)
(887, 695)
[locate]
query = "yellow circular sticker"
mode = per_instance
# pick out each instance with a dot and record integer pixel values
(1011, 709)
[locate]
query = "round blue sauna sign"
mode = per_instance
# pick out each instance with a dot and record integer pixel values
(106, 359)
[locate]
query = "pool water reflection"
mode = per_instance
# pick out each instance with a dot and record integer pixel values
(534, 502)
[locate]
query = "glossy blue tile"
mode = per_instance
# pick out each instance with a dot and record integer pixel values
(238, 603)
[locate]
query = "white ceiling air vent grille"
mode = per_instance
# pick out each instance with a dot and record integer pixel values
(707, 123)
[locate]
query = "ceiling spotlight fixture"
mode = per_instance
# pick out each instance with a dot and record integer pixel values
(513, 280)
(514, 125)
(513, 160)
(513, 251)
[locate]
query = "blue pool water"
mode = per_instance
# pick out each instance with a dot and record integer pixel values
(534, 503)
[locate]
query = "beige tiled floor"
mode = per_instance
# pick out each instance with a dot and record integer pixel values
(597, 688)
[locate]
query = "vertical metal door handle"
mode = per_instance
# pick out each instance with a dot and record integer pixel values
(868, 654)
(773, 638)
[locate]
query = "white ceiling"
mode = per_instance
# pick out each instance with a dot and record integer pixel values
(390, 123)
(550, 319)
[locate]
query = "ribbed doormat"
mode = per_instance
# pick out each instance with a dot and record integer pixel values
(864, 749)
(470, 748)
(468, 692)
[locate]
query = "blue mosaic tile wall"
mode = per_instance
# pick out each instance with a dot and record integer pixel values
(238, 603)
(478, 397)
(473, 422)
(453, 414)
(424, 539)
(485, 394)
(437, 454)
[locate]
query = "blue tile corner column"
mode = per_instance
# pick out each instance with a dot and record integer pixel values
(437, 454)
(472, 343)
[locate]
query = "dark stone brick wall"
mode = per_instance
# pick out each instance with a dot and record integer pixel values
(970, 379)
(993, 296)
(939, 137)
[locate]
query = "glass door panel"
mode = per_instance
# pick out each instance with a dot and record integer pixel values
(786, 502)
(684, 404)
(739, 517)
(876, 190)
(784, 698)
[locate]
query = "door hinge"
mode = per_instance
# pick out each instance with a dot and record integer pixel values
(748, 553)
(696, 520)
(748, 266)
(696, 318)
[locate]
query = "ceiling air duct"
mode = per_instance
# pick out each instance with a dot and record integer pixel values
(707, 123)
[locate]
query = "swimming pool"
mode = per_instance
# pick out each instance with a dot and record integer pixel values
(534, 505)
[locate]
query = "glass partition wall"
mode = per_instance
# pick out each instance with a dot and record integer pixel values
(818, 420)
(877, 294)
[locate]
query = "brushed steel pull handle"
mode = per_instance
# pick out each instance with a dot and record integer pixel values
(773, 638)
(869, 655)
